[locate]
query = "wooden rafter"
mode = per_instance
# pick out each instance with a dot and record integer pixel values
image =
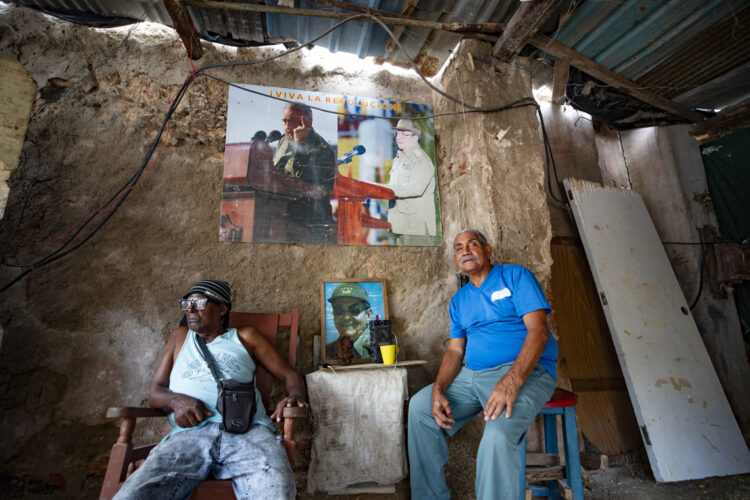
(606, 75)
(184, 26)
(467, 28)
(560, 80)
(399, 30)
(525, 22)
(542, 42)
(729, 120)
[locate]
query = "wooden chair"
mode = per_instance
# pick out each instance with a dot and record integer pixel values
(124, 456)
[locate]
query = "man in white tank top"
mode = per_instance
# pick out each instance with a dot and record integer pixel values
(184, 388)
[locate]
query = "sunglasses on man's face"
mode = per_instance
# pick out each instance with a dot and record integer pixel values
(200, 304)
(353, 309)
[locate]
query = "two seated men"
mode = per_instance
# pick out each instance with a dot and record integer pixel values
(500, 360)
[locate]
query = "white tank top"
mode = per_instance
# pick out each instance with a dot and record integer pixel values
(190, 375)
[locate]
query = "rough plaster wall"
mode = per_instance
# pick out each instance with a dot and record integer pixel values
(17, 90)
(494, 184)
(86, 332)
(571, 135)
(489, 168)
(611, 158)
(665, 167)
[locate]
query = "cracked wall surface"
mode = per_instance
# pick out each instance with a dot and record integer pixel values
(86, 333)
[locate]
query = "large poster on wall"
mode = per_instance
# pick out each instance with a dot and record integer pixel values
(309, 167)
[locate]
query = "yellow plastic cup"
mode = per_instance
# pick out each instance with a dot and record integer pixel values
(389, 353)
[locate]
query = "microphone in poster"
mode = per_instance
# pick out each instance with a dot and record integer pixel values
(347, 157)
(273, 136)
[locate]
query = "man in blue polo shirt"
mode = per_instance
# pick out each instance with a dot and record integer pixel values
(500, 360)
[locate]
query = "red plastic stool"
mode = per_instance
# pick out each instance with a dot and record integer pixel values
(562, 403)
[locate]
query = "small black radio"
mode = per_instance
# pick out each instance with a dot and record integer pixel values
(380, 334)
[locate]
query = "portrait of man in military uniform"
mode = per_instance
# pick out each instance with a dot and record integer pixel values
(348, 309)
(412, 179)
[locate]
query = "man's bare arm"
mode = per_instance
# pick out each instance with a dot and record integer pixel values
(188, 411)
(266, 354)
(505, 392)
(449, 367)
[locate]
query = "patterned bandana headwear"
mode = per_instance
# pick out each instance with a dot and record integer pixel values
(214, 290)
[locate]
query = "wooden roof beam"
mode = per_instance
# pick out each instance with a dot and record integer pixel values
(560, 80)
(729, 120)
(184, 26)
(606, 75)
(525, 22)
(467, 28)
(542, 42)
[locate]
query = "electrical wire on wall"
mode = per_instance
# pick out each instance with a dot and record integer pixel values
(72, 242)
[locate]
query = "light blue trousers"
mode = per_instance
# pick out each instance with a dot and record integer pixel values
(255, 462)
(498, 458)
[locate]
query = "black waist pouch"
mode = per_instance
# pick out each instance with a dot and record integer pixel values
(236, 403)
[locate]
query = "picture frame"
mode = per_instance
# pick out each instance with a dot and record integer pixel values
(344, 312)
(339, 188)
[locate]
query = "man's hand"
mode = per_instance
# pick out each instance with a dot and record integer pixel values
(503, 396)
(188, 411)
(288, 402)
(441, 409)
(300, 131)
(343, 350)
(317, 192)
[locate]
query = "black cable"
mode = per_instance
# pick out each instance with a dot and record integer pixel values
(550, 160)
(715, 242)
(124, 191)
(700, 279)
(519, 103)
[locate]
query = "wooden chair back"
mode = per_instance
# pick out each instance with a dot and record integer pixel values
(268, 325)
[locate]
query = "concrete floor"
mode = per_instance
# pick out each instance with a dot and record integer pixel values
(637, 482)
(622, 483)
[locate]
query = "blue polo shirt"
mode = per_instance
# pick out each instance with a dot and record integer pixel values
(490, 318)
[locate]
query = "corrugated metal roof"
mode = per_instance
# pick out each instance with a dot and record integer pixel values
(667, 45)
(237, 25)
(678, 44)
(362, 39)
(705, 57)
(368, 40)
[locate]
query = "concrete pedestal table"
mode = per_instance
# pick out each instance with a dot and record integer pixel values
(358, 414)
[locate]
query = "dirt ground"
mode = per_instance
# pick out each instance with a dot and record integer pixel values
(637, 482)
(618, 483)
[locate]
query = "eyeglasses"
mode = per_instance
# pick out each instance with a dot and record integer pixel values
(353, 309)
(200, 304)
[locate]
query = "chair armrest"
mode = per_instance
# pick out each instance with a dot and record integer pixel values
(295, 412)
(129, 414)
(124, 456)
(134, 412)
(291, 414)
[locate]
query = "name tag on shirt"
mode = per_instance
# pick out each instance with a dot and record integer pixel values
(500, 294)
